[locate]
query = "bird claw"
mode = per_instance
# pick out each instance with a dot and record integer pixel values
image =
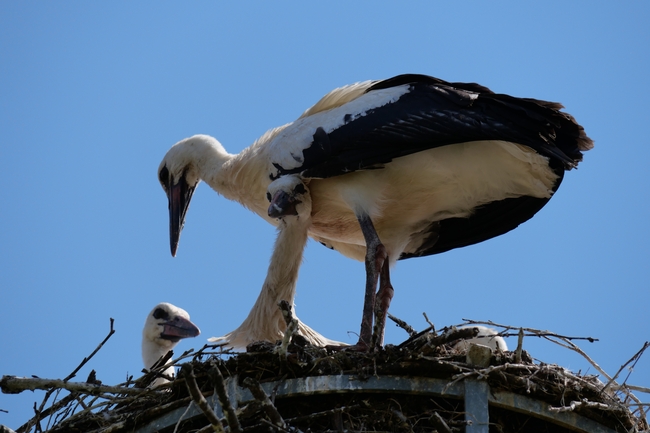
(359, 347)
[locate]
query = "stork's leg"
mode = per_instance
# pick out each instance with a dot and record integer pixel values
(382, 302)
(376, 257)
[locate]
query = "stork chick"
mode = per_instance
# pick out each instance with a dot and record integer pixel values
(165, 326)
(486, 337)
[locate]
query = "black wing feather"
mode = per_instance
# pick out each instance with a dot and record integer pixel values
(436, 113)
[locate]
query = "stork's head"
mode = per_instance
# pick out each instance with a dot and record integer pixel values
(180, 172)
(288, 195)
(165, 326)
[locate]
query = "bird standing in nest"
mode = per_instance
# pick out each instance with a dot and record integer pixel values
(404, 167)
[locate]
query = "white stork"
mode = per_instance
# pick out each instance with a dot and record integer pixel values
(486, 337)
(165, 326)
(290, 201)
(398, 168)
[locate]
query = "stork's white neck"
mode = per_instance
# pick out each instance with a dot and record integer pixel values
(286, 259)
(235, 176)
(206, 158)
(151, 351)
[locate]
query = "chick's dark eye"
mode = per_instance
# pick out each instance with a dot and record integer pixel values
(268, 196)
(159, 313)
(300, 189)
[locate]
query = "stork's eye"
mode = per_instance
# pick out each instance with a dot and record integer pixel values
(159, 313)
(163, 176)
(268, 196)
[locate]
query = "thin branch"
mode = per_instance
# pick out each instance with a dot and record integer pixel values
(220, 388)
(180, 418)
(402, 324)
(259, 394)
(187, 372)
(570, 345)
(89, 357)
(16, 385)
(274, 427)
(35, 421)
(584, 403)
(520, 346)
(439, 423)
(534, 332)
(637, 388)
(438, 340)
(432, 326)
(59, 404)
(634, 360)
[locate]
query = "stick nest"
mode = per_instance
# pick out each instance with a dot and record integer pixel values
(92, 407)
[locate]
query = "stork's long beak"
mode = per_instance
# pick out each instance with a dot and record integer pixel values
(179, 328)
(179, 201)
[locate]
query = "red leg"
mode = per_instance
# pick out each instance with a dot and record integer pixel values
(375, 259)
(382, 303)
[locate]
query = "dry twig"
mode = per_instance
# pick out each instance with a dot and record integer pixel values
(431, 325)
(632, 361)
(89, 357)
(259, 394)
(433, 340)
(584, 403)
(187, 372)
(40, 412)
(439, 423)
(533, 332)
(402, 324)
(16, 385)
(220, 388)
(520, 346)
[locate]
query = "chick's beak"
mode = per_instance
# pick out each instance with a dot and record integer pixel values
(179, 328)
(282, 204)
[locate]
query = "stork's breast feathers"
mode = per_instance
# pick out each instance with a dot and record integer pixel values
(412, 199)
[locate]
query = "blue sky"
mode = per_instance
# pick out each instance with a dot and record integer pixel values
(93, 94)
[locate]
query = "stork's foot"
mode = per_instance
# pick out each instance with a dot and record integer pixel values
(380, 324)
(359, 347)
(376, 260)
(382, 303)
